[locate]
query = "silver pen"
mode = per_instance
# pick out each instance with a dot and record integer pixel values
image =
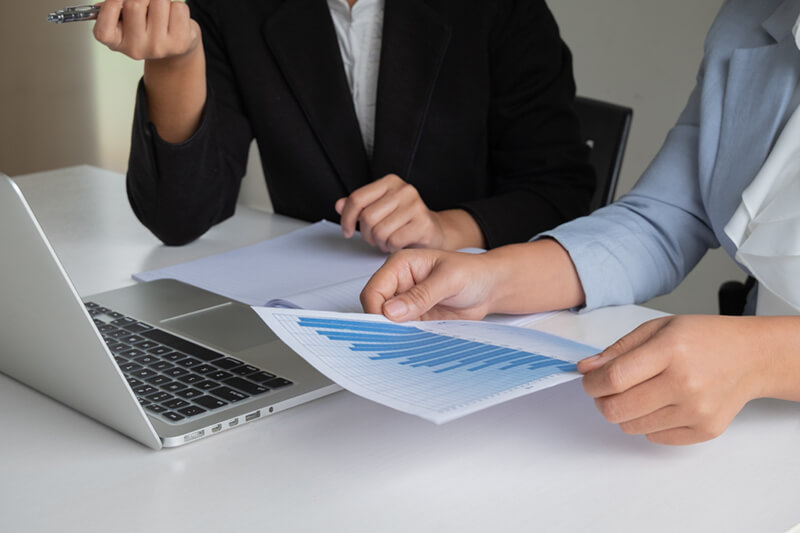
(74, 14)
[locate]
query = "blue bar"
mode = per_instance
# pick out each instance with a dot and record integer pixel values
(481, 349)
(465, 351)
(534, 358)
(544, 364)
(572, 367)
(359, 347)
(355, 337)
(446, 348)
(497, 360)
(355, 325)
(491, 351)
(394, 354)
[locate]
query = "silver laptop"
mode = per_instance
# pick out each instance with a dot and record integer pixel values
(162, 362)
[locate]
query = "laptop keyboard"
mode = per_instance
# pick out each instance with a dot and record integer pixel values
(173, 378)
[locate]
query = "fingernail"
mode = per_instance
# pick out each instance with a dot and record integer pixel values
(395, 308)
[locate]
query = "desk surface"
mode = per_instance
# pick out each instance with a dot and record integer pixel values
(546, 462)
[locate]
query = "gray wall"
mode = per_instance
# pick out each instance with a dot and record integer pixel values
(66, 100)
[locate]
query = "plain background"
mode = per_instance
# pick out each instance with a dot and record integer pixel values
(66, 100)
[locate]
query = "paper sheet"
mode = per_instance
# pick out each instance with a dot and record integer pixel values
(299, 262)
(439, 370)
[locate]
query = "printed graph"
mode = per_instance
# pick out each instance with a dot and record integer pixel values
(437, 371)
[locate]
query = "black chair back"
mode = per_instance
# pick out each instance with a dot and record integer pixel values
(605, 128)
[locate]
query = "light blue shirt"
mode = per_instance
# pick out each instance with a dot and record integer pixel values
(644, 244)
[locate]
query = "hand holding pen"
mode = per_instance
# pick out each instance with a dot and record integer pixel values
(163, 34)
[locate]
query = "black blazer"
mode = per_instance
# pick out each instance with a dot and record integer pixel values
(474, 108)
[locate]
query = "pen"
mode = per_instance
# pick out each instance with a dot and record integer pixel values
(74, 14)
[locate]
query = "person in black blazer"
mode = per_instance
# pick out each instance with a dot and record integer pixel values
(475, 122)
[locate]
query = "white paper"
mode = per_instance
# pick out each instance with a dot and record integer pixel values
(302, 261)
(440, 370)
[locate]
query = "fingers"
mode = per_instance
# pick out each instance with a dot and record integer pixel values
(108, 29)
(632, 360)
(146, 29)
(395, 276)
(625, 344)
(638, 402)
(414, 282)
(351, 207)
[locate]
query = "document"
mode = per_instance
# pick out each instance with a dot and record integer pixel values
(311, 268)
(301, 265)
(438, 370)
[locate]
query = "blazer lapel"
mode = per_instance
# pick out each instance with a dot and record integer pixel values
(755, 107)
(303, 40)
(415, 39)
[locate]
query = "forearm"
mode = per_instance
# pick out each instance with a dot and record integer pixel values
(533, 277)
(176, 94)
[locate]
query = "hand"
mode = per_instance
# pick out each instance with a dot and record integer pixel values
(393, 216)
(149, 29)
(430, 285)
(678, 379)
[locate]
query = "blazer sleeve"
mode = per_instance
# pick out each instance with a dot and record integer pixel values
(538, 166)
(179, 191)
(644, 244)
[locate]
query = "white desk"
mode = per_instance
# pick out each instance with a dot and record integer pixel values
(546, 462)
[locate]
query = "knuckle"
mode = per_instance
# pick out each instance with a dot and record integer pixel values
(615, 376)
(611, 409)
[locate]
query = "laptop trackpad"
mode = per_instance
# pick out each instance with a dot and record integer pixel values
(233, 327)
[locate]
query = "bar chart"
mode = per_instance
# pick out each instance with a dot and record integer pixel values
(438, 371)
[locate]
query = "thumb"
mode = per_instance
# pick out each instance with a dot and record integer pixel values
(632, 340)
(419, 299)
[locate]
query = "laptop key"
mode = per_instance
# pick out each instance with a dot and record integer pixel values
(245, 370)
(278, 382)
(176, 343)
(209, 402)
(147, 359)
(175, 403)
(122, 321)
(117, 347)
(133, 382)
(245, 386)
(228, 363)
(204, 369)
(175, 417)
(191, 378)
(220, 375)
(161, 366)
(159, 397)
(154, 407)
(188, 394)
(159, 380)
(173, 386)
(176, 372)
(206, 385)
(138, 327)
(192, 410)
(130, 367)
(260, 377)
(143, 373)
(130, 339)
(146, 345)
(159, 350)
(132, 353)
(144, 389)
(229, 394)
(189, 362)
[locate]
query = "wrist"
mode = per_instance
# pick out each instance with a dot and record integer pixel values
(459, 230)
(775, 345)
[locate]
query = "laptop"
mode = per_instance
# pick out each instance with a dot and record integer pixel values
(162, 362)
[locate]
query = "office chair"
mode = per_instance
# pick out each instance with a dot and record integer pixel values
(604, 127)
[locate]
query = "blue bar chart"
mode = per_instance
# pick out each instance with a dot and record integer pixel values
(439, 371)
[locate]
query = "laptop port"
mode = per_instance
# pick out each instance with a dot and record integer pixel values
(216, 429)
(234, 422)
(252, 416)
